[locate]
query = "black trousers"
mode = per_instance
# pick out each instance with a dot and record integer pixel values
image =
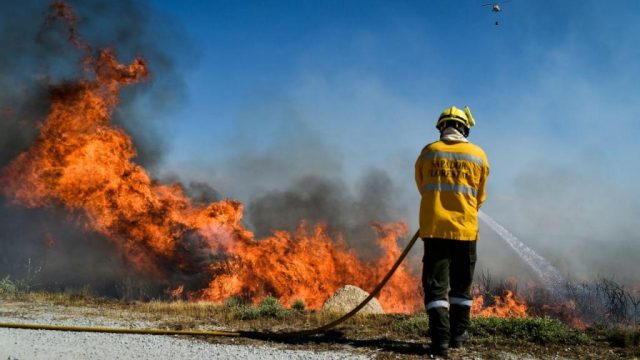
(447, 274)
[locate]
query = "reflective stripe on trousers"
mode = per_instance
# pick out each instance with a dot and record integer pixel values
(460, 301)
(438, 303)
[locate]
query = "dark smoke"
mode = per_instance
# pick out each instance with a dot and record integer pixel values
(47, 246)
(321, 200)
(202, 193)
(289, 172)
(37, 54)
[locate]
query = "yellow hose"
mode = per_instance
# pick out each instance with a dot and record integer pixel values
(251, 334)
(118, 330)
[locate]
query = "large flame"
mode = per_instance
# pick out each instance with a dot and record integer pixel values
(82, 161)
(311, 266)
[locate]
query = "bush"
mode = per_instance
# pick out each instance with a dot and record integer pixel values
(240, 310)
(541, 330)
(298, 305)
(245, 312)
(270, 306)
(8, 287)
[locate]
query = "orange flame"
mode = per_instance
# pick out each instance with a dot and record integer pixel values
(176, 293)
(83, 162)
(565, 311)
(311, 267)
(506, 305)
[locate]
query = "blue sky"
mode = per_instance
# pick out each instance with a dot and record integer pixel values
(281, 89)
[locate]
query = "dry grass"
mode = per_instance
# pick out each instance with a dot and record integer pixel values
(186, 314)
(385, 336)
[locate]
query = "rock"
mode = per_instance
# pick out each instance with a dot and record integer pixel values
(347, 298)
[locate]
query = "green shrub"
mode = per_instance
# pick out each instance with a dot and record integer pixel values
(270, 306)
(8, 287)
(416, 324)
(541, 330)
(240, 310)
(298, 305)
(245, 312)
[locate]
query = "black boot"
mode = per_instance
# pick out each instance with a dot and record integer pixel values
(460, 319)
(439, 330)
(459, 341)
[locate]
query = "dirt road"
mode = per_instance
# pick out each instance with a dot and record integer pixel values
(37, 344)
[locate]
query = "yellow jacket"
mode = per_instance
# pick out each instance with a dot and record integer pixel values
(451, 178)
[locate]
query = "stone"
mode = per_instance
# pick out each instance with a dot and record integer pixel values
(347, 298)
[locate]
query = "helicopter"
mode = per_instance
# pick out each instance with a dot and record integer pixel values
(496, 7)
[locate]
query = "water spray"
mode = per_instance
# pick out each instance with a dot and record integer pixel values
(551, 278)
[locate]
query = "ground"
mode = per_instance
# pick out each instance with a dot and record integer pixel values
(379, 336)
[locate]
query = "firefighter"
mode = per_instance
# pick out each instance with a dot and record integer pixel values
(451, 174)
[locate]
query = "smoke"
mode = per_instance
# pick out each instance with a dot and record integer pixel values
(288, 171)
(273, 144)
(321, 200)
(37, 54)
(48, 245)
(576, 215)
(564, 172)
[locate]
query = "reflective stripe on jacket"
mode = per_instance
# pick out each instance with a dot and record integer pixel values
(451, 178)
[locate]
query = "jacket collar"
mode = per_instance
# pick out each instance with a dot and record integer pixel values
(451, 134)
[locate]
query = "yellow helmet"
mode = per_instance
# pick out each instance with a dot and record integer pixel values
(455, 114)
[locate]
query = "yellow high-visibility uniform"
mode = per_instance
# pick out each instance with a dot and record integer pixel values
(451, 178)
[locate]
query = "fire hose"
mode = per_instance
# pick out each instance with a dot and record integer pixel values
(248, 334)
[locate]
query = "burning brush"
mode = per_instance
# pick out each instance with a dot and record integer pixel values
(83, 162)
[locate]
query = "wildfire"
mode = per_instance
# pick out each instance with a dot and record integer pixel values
(84, 162)
(506, 305)
(311, 266)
